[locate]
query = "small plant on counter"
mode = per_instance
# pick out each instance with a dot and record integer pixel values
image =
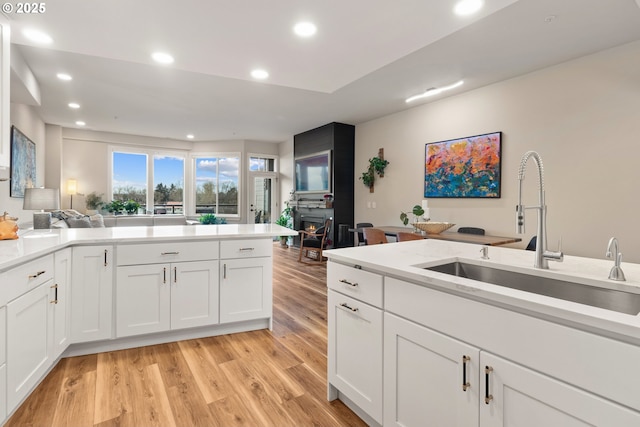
(417, 212)
(208, 218)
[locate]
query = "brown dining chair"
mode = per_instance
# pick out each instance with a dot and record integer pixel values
(404, 236)
(360, 226)
(312, 243)
(374, 236)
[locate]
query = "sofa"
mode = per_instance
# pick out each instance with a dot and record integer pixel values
(69, 218)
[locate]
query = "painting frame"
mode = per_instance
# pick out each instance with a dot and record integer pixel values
(23, 163)
(469, 167)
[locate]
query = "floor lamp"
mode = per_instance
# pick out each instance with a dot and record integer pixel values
(72, 189)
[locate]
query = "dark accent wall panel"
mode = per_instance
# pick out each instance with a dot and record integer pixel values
(340, 139)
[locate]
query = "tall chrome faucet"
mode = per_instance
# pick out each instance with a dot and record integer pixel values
(616, 272)
(542, 254)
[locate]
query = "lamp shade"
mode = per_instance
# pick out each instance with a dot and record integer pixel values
(72, 187)
(41, 198)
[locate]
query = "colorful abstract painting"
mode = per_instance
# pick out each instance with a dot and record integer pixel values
(464, 167)
(23, 163)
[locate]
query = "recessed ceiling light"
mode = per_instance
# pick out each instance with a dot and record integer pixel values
(63, 76)
(305, 29)
(37, 36)
(434, 91)
(259, 74)
(80, 123)
(190, 136)
(467, 7)
(162, 58)
(74, 105)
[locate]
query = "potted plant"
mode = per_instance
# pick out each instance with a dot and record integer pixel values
(285, 220)
(131, 206)
(377, 166)
(115, 207)
(417, 211)
(207, 219)
(93, 202)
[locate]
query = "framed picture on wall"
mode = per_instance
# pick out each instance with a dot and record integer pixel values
(464, 167)
(23, 163)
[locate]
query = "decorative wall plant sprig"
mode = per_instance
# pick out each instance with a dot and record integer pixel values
(377, 166)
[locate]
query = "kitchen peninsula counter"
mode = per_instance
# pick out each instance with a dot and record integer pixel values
(33, 244)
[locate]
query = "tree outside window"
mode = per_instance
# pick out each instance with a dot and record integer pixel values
(217, 185)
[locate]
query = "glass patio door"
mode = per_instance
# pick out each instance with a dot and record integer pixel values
(262, 198)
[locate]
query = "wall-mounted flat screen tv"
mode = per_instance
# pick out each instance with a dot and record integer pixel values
(464, 167)
(313, 173)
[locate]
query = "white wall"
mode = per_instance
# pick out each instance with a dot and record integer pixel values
(29, 123)
(583, 118)
(85, 157)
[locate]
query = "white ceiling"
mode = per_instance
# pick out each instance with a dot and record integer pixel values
(367, 57)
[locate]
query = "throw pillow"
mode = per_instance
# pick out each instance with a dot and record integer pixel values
(80, 221)
(97, 221)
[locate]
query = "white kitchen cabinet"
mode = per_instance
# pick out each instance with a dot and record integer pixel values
(29, 341)
(91, 293)
(245, 279)
(60, 302)
(355, 351)
(158, 297)
(429, 379)
(245, 289)
(516, 396)
(355, 333)
(3, 363)
(5, 71)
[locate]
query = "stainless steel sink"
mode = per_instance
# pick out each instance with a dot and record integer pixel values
(609, 299)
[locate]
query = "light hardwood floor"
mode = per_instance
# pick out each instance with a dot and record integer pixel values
(258, 378)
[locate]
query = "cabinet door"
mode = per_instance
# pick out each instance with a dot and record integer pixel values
(60, 302)
(28, 342)
(245, 289)
(521, 397)
(194, 294)
(143, 299)
(91, 293)
(355, 352)
(424, 373)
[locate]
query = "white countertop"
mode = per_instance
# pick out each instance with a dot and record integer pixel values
(35, 243)
(407, 261)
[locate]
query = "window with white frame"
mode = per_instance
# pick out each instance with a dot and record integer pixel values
(152, 179)
(217, 186)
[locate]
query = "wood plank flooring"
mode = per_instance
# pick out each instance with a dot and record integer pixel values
(259, 378)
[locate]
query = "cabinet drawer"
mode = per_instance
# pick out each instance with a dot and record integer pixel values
(246, 248)
(155, 253)
(355, 283)
(21, 279)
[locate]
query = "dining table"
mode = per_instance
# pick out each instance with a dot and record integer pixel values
(453, 236)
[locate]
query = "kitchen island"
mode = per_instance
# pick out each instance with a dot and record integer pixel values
(80, 291)
(411, 346)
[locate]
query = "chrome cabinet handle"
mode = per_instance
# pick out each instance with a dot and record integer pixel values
(487, 397)
(164, 274)
(105, 257)
(175, 274)
(345, 305)
(346, 282)
(224, 271)
(465, 383)
(169, 253)
(39, 273)
(246, 249)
